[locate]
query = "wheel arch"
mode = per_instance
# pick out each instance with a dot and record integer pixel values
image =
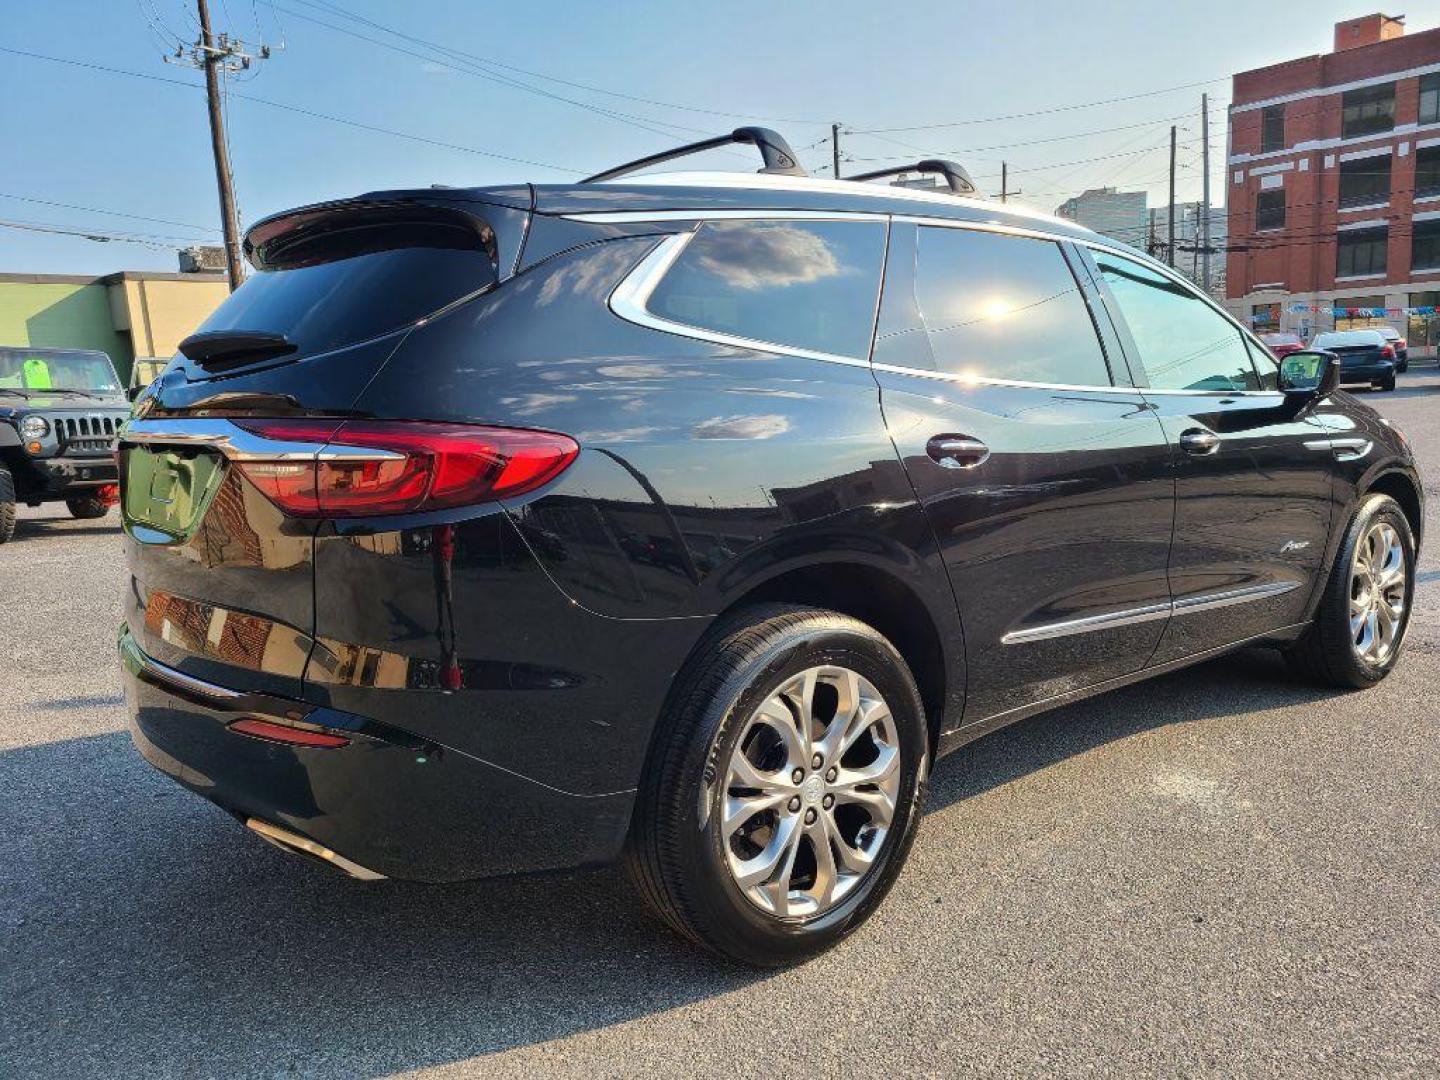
(1401, 487)
(892, 606)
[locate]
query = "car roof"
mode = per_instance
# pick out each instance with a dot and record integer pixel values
(1350, 336)
(707, 191)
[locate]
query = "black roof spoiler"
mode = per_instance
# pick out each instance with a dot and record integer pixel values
(774, 151)
(954, 173)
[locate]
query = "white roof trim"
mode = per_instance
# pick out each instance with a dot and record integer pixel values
(1338, 88)
(1369, 152)
(1331, 143)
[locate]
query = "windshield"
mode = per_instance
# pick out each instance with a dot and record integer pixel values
(57, 369)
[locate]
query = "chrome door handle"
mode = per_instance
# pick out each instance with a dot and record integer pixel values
(957, 451)
(1198, 442)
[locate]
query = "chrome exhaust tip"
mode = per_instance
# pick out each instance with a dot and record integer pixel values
(294, 843)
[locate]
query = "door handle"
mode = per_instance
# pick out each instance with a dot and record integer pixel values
(1198, 442)
(957, 451)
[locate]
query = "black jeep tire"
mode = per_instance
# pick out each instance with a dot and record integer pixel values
(7, 505)
(1328, 653)
(86, 507)
(680, 854)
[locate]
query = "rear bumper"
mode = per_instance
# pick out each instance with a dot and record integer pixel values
(1368, 372)
(390, 803)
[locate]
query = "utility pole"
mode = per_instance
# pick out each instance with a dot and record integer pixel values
(835, 149)
(218, 56)
(1004, 181)
(1170, 240)
(1205, 193)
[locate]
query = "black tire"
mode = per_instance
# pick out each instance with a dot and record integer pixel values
(678, 863)
(86, 507)
(1326, 654)
(7, 505)
(1389, 383)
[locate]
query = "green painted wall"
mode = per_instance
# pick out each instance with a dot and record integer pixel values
(62, 316)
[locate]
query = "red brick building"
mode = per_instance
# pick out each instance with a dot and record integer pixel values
(1333, 185)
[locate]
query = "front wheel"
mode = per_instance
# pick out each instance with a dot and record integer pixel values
(7, 505)
(1360, 625)
(784, 788)
(87, 507)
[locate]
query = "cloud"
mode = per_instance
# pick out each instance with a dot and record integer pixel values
(751, 256)
(765, 426)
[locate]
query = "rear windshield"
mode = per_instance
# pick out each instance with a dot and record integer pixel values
(1348, 337)
(345, 278)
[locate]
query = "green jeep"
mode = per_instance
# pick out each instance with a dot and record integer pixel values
(59, 410)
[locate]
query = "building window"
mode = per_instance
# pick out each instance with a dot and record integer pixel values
(1272, 128)
(1430, 98)
(1427, 171)
(1361, 251)
(1365, 181)
(1425, 246)
(1265, 318)
(1368, 110)
(1270, 210)
(1357, 312)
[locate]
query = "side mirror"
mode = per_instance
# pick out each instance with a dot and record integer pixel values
(1309, 375)
(133, 392)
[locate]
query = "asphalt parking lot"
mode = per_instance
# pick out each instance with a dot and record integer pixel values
(1217, 873)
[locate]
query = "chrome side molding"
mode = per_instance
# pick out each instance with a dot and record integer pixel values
(1131, 616)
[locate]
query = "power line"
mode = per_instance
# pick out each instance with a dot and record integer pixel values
(1042, 112)
(295, 109)
(152, 240)
(338, 10)
(110, 213)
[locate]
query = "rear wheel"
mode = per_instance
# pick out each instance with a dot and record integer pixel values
(7, 505)
(784, 789)
(1388, 383)
(1360, 626)
(86, 507)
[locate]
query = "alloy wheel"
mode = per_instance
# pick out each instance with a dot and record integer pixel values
(1379, 587)
(810, 792)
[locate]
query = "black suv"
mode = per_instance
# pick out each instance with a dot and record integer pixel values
(59, 411)
(688, 520)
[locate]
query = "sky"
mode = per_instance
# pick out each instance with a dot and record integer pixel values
(566, 88)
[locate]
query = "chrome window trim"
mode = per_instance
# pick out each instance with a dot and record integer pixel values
(237, 444)
(630, 298)
(1133, 616)
(985, 380)
(639, 217)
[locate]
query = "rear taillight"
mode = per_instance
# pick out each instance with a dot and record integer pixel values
(1387, 353)
(369, 467)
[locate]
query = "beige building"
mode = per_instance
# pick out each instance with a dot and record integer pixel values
(127, 315)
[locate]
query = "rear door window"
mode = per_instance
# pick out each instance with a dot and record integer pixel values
(350, 279)
(1183, 342)
(1005, 307)
(809, 285)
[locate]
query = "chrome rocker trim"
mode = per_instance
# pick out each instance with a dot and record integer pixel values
(1132, 616)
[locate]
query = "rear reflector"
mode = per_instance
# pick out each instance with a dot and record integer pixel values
(412, 467)
(283, 733)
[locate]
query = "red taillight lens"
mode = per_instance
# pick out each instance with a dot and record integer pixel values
(284, 733)
(1388, 352)
(413, 467)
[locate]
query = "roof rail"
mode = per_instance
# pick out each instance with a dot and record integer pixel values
(774, 150)
(954, 173)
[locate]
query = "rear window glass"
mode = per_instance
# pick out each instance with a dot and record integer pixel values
(348, 283)
(804, 284)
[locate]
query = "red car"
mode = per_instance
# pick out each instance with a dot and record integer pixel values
(1282, 344)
